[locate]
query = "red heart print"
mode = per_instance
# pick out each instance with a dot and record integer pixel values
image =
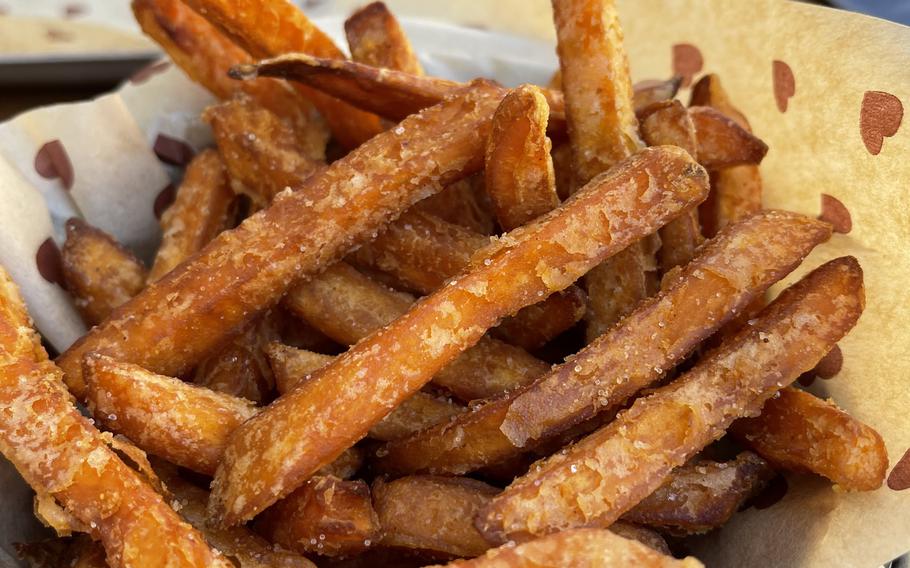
(687, 61)
(879, 117)
(52, 162)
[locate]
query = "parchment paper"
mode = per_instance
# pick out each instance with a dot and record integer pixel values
(803, 75)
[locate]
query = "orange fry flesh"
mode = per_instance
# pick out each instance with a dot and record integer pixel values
(265, 28)
(670, 123)
(203, 208)
(702, 495)
(347, 306)
(722, 142)
(519, 171)
(444, 521)
(801, 432)
(579, 548)
(205, 55)
(327, 516)
(464, 203)
(729, 272)
(525, 266)
(247, 269)
(606, 474)
(100, 274)
(61, 455)
(375, 38)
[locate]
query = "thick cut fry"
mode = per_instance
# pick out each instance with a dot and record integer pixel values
(702, 495)
(247, 269)
(722, 142)
(204, 54)
(735, 192)
(241, 368)
(267, 28)
(603, 130)
(464, 203)
(185, 424)
(241, 129)
(595, 75)
(375, 38)
(62, 456)
(801, 432)
(205, 206)
(646, 93)
(347, 306)
(328, 516)
(432, 514)
(302, 432)
(579, 548)
(99, 272)
(422, 410)
(519, 170)
(239, 544)
(609, 472)
(729, 272)
(422, 252)
(669, 123)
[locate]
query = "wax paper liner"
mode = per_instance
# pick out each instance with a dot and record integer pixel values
(825, 89)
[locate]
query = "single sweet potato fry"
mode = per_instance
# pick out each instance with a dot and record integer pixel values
(578, 548)
(702, 495)
(422, 252)
(722, 142)
(735, 192)
(422, 410)
(241, 128)
(182, 423)
(99, 272)
(801, 432)
(347, 306)
(728, 273)
(302, 432)
(610, 471)
(375, 38)
(519, 170)
(63, 457)
(204, 206)
(265, 28)
(239, 544)
(668, 122)
(241, 368)
(205, 55)
(247, 269)
(327, 516)
(432, 514)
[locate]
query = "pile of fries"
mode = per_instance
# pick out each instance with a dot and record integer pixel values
(398, 320)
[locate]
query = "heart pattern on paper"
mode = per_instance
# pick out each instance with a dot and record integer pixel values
(880, 117)
(52, 162)
(784, 84)
(687, 62)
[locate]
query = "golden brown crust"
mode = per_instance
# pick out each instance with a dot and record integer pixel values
(618, 285)
(182, 423)
(607, 473)
(302, 431)
(205, 54)
(99, 272)
(204, 206)
(464, 203)
(62, 456)
(432, 514)
(519, 170)
(579, 548)
(801, 432)
(730, 271)
(326, 516)
(375, 38)
(722, 142)
(702, 495)
(247, 269)
(264, 28)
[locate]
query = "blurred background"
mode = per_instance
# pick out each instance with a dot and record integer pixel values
(65, 50)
